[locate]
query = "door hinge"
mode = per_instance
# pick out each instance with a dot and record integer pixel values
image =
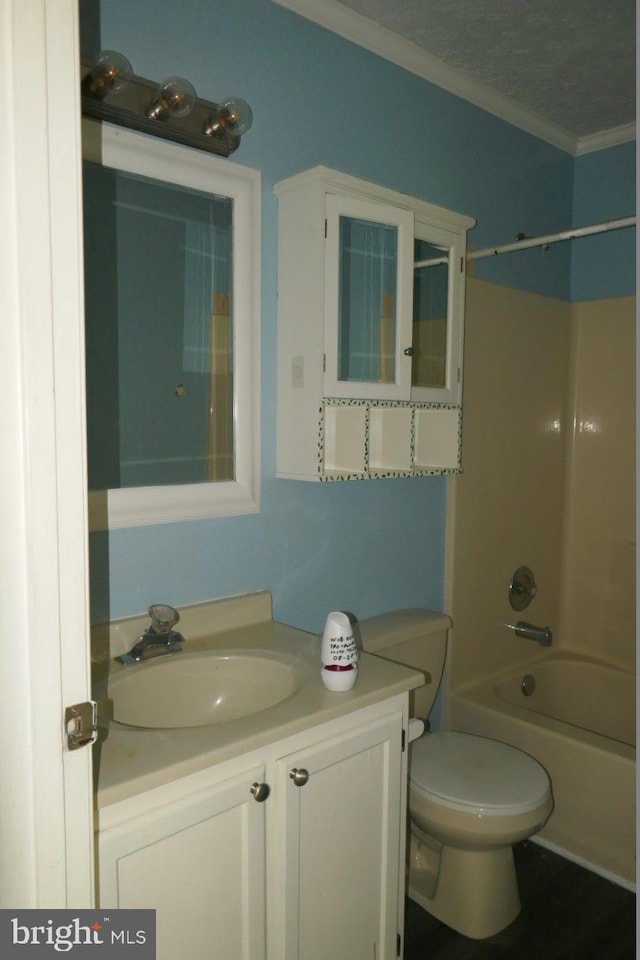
(398, 945)
(81, 724)
(404, 739)
(461, 264)
(324, 363)
(325, 228)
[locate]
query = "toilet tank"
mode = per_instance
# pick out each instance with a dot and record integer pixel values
(415, 638)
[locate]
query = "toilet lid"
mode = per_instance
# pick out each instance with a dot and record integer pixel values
(461, 769)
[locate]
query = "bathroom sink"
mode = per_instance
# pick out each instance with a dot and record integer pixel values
(194, 689)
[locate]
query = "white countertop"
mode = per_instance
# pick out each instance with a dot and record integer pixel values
(129, 760)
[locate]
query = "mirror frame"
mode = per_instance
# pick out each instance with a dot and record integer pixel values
(148, 156)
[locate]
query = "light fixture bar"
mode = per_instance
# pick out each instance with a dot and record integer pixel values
(129, 107)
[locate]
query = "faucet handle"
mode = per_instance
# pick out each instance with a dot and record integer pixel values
(522, 588)
(163, 617)
(175, 641)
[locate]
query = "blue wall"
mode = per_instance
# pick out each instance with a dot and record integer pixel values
(604, 189)
(362, 546)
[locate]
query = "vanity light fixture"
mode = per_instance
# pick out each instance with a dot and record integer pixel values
(171, 110)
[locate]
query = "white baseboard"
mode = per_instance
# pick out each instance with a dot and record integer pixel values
(582, 862)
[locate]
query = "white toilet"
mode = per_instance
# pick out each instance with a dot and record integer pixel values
(470, 798)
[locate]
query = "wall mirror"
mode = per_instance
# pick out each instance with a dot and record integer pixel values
(172, 272)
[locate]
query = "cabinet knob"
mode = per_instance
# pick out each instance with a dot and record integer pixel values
(408, 351)
(260, 791)
(299, 777)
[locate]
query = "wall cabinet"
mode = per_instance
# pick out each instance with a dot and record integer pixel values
(370, 330)
(304, 868)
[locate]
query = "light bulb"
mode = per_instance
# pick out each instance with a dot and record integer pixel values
(238, 115)
(232, 118)
(110, 73)
(176, 98)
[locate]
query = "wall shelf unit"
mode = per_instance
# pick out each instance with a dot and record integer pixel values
(369, 345)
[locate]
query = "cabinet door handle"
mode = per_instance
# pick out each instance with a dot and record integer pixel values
(408, 351)
(260, 791)
(299, 777)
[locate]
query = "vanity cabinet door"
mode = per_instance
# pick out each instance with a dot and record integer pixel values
(200, 863)
(337, 846)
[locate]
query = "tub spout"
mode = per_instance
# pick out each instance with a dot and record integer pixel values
(541, 635)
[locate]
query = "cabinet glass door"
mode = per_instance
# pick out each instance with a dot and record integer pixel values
(368, 300)
(430, 315)
(438, 300)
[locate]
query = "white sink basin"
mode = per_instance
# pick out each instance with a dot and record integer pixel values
(193, 689)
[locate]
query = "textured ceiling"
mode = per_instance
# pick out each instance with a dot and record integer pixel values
(570, 61)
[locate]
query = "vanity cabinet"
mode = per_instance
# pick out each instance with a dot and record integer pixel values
(306, 868)
(338, 846)
(370, 330)
(199, 861)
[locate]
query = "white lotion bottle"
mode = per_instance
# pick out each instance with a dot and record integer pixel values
(338, 653)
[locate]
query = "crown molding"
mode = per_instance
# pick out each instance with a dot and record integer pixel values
(606, 138)
(408, 55)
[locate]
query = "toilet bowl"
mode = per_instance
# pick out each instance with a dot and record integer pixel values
(470, 798)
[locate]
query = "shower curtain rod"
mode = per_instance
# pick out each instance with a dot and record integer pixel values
(529, 242)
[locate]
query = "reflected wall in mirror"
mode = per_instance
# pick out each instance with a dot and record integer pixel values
(158, 275)
(171, 281)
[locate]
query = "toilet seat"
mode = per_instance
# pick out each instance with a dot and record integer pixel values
(476, 775)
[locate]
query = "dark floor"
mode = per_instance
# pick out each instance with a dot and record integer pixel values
(568, 913)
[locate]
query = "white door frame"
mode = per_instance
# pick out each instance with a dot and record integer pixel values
(46, 827)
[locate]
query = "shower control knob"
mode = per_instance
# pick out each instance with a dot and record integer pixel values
(299, 776)
(260, 791)
(522, 588)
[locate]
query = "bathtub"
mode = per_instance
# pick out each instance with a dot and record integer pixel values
(578, 720)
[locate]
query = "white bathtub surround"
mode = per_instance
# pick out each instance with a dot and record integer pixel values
(549, 482)
(598, 608)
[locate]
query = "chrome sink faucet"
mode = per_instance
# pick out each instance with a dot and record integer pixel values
(159, 639)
